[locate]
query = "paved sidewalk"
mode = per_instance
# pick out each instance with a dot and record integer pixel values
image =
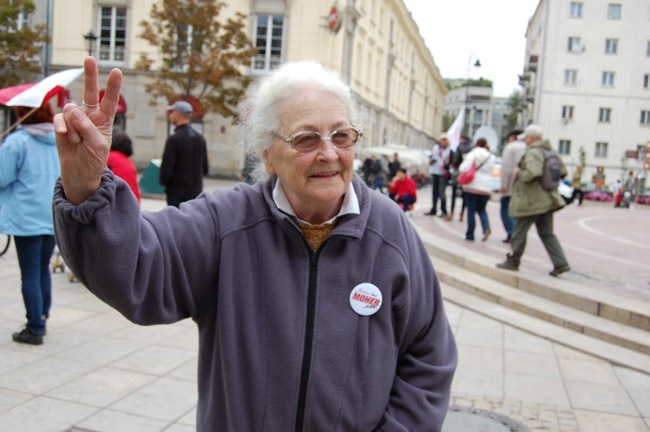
(98, 372)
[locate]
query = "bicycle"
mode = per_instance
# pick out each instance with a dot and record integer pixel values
(5, 242)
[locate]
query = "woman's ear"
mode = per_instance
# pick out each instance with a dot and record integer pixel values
(268, 165)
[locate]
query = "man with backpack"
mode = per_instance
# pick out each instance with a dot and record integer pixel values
(535, 198)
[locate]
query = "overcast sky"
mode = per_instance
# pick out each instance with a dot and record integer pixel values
(490, 30)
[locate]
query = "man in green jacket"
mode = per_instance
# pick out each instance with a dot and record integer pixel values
(531, 204)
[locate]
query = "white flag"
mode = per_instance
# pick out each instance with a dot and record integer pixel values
(453, 133)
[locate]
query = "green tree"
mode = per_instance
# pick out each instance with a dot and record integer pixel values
(200, 55)
(20, 45)
(514, 104)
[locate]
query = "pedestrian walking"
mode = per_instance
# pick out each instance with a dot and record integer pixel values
(531, 204)
(477, 192)
(510, 157)
(576, 184)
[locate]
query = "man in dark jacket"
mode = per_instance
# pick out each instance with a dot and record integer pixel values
(185, 158)
(531, 204)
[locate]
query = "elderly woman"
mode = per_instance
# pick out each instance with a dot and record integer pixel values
(316, 303)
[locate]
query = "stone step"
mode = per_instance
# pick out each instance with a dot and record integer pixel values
(605, 350)
(629, 312)
(553, 312)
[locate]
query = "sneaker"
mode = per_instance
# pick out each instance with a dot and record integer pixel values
(27, 337)
(486, 234)
(559, 270)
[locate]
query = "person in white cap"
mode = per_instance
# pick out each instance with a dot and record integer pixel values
(531, 204)
(185, 157)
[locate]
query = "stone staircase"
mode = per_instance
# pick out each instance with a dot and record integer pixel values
(569, 313)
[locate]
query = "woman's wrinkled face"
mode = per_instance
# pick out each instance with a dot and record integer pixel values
(316, 181)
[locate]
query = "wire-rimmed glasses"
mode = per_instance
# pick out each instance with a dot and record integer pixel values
(307, 141)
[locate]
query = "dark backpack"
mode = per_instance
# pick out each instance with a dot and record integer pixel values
(552, 170)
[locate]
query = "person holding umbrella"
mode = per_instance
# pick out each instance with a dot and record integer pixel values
(29, 167)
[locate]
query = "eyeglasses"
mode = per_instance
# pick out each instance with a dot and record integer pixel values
(307, 141)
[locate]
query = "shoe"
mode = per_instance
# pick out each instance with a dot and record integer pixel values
(460, 218)
(507, 239)
(27, 337)
(469, 238)
(509, 264)
(450, 216)
(444, 215)
(486, 234)
(430, 213)
(559, 270)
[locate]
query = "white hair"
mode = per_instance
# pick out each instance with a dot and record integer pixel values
(258, 111)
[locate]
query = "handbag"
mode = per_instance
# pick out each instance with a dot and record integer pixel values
(468, 176)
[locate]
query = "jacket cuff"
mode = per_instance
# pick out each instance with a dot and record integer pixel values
(84, 213)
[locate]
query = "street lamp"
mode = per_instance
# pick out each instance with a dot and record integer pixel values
(91, 38)
(477, 64)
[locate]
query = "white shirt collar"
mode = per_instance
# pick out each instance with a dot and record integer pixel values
(350, 203)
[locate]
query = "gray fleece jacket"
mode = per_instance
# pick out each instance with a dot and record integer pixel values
(280, 347)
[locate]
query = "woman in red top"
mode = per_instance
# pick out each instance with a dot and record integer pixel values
(403, 190)
(119, 162)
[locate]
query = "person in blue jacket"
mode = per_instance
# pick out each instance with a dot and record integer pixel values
(316, 303)
(29, 167)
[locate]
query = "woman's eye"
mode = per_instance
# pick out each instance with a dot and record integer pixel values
(306, 139)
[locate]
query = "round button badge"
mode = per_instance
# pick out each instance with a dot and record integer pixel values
(365, 299)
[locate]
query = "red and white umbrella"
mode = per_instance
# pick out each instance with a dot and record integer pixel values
(34, 94)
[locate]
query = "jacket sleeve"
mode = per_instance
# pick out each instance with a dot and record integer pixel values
(153, 267)
(11, 158)
(532, 165)
(428, 358)
(168, 161)
(206, 162)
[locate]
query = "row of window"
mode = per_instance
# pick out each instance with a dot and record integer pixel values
(607, 78)
(112, 38)
(574, 45)
(614, 10)
(600, 149)
(604, 115)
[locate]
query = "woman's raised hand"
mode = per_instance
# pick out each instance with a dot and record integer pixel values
(84, 134)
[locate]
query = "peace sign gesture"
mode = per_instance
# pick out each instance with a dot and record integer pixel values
(84, 134)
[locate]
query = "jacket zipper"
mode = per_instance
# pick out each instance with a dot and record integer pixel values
(309, 340)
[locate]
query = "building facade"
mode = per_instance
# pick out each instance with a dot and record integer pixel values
(374, 45)
(482, 109)
(586, 81)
